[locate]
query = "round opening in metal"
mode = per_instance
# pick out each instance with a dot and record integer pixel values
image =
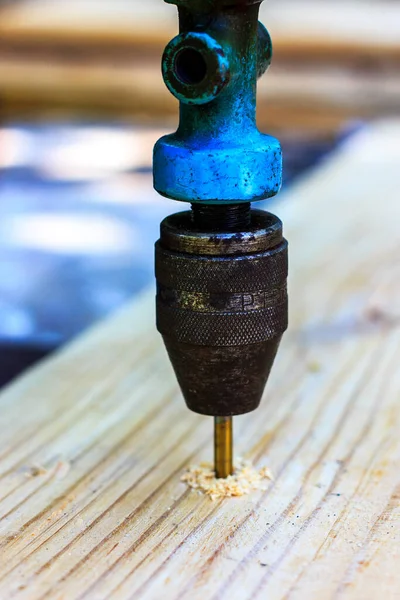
(190, 66)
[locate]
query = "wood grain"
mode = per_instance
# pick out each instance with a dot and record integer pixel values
(95, 439)
(331, 64)
(371, 26)
(304, 99)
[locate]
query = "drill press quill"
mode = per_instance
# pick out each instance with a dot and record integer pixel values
(221, 268)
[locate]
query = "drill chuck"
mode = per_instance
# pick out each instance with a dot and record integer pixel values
(222, 308)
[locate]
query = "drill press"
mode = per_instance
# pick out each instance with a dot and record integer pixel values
(221, 268)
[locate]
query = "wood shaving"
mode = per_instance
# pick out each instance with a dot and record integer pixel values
(245, 480)
(62, 469)
(36, 471)
(314, 366)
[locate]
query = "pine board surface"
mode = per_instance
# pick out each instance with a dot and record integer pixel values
(95, 439)
(332, 63)
(369, 24)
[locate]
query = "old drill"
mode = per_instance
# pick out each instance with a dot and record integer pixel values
(221, 268)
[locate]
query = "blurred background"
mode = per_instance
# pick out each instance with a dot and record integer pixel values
(82, 102)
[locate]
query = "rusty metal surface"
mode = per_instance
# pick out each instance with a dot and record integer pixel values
(262, 232)
(222, 380)
(222, 317)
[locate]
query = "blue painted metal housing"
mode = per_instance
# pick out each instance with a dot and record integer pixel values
(217, 154)
(213, 173)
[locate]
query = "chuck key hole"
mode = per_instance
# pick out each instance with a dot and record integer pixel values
(190, 66)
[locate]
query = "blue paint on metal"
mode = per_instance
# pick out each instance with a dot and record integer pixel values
(240, 171)
(217, 154)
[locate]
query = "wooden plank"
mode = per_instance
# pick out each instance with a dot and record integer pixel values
(310, 25)
(305, 99)
(95, 439)
(102, 60)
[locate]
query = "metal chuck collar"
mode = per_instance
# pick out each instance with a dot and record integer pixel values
(222, 307)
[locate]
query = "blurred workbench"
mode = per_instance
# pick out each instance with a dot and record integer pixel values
(333, 61)
(94, 440)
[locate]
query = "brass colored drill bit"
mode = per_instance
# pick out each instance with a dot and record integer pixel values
(223, 447)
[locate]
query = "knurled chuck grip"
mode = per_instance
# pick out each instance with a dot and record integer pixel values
(222, 309)
(221, 269)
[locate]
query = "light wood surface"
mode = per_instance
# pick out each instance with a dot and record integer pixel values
(317, 101)
(372, 25)
(95, 439)
(332, 62)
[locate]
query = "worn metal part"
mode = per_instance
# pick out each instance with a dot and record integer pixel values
(223, 446)
(180, 235)
(221, 315)
(217, 154)
(221, 268)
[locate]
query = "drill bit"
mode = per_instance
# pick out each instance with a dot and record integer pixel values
(223, 447)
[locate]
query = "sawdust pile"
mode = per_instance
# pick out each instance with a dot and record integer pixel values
(245, 479)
